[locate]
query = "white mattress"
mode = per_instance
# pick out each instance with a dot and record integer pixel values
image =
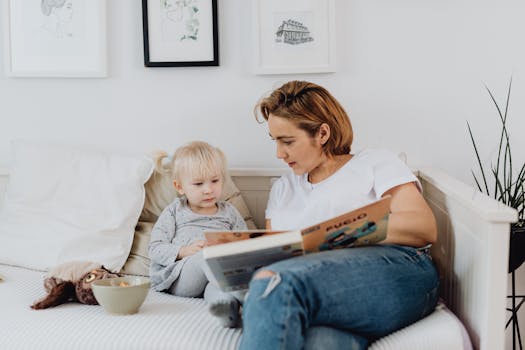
(441, 330)
(163, 322)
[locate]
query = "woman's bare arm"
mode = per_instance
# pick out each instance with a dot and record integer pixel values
(411, 220)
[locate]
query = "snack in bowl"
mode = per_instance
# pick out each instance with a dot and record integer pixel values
(121, 295)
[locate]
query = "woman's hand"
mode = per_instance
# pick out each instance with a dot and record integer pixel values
(191, 249)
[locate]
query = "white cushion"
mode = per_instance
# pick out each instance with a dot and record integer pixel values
(65, 203)
(441, 330)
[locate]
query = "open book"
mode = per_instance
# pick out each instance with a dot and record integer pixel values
(233, 256)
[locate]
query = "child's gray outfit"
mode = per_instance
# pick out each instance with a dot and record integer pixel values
(179, 226)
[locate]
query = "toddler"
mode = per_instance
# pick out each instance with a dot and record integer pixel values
(177, 266)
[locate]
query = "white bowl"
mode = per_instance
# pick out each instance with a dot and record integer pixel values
(121, 295)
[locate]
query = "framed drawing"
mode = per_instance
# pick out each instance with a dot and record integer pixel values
(180, 33)
(294, 36)
(55, 38)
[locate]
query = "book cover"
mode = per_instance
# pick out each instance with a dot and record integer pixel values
(233, 256)
(363, 226)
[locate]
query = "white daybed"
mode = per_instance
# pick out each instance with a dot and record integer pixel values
(471, 254)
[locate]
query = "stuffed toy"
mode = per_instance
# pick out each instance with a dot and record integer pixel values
(71, 281)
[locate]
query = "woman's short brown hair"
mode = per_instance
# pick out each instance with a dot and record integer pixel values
(308, 106)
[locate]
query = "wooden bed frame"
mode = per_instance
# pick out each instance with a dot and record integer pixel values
(471, 252)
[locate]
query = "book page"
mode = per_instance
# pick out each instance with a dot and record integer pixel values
(233, 264)
(234, 272)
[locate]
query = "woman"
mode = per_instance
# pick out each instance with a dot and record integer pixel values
(348, 297)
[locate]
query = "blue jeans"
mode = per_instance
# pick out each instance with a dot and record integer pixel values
(339, 299)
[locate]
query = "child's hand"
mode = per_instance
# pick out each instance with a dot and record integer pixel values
(191, 249)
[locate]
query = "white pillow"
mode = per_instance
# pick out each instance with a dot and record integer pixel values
(64, 204)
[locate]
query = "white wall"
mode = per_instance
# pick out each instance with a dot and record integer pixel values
(410, 72)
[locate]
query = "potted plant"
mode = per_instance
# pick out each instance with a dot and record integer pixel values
(508, 185)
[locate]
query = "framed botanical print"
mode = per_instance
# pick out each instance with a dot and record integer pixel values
(180, 33)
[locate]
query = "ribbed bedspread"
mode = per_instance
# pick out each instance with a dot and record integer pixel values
(163, 322)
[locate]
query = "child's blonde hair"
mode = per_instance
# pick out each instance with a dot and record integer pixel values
(195, 159)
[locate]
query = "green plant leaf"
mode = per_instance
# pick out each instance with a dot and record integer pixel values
(477, 183)
(499, 186)
(503, 135)
(508, 190)
(479, 161)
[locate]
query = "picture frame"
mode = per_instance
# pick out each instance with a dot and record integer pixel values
(294, 36)
(55, 39)
(180, 33)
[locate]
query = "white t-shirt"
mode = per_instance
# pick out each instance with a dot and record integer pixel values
(295, 203)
